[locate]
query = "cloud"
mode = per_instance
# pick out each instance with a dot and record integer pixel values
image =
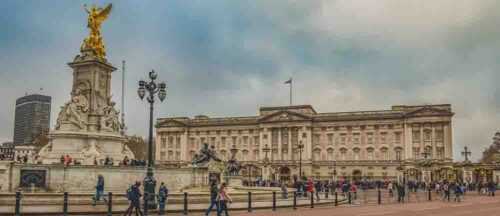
(227, 58)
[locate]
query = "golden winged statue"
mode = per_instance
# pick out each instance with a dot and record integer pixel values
(94, 41)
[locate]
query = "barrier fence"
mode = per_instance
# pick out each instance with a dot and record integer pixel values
(261, 200)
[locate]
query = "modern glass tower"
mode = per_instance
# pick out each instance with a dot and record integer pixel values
(32, 117)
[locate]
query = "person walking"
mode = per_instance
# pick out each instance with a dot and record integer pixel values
(223, 198)
(162, 198)
(317, 190)
(134, 195)
(99, 190)
(214, 193)
(284, 191)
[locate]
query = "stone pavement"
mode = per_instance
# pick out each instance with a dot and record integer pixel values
(472, 205)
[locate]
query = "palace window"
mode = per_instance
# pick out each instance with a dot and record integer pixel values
(355, 138)
(383, 137)
(244, 155)
(369, 153)
(317, 154)
(398, 152)
(256, 140)
(343, 154)
(385, 153)
(170, 155)
(343, 138)
(439, 135)
(202, 141)
(427, 135)
(163, 142)
(256, 155)
(356, 152)
(316, 138)
(170, 141)
(440, 153)
(369, 138)
(245, 141)
(234, 140)
(397, 137)
(274, 137)
(178, 143)
(162, 155)
(416, 136)
(329, 155)
(223, 154)
(330, 139)
(223, 142)
(177, 156)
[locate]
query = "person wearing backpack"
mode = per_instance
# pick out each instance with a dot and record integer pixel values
(134, 195)
(162, 198)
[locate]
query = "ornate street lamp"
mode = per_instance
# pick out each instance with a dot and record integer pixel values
(300, 146)
(266, 150)
(150, 89)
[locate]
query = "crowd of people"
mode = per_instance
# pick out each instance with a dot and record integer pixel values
(220, 198)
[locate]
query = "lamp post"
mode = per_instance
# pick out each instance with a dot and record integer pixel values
(300, 146)
(151, 88)
(334, 170)
(266, 150)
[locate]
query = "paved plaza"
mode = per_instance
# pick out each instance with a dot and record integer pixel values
(473, 205)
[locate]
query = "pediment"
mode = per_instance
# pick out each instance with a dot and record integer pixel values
(283, 116)
(428, 111)
(171, 123)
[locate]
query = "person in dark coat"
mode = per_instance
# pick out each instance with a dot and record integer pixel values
(99, 189)
(214, 192)
(134, 195)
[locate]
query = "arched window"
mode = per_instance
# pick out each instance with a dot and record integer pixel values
(356, 152)
(369, 153)
(244, 155)
(398, 152)
(329, 155)
(384, 153)
(317, 154)
(256, 155)
(343, 154)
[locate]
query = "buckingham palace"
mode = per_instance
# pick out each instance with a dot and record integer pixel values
(282, 141)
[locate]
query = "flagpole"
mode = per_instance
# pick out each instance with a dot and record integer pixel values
(291, 83)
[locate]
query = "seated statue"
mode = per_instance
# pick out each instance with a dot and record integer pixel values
(205, 155)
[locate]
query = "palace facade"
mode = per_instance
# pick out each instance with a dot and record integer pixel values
(282, 141)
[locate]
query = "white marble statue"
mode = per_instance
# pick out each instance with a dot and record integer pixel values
(110, 117)
(91, 153)
(74, 110)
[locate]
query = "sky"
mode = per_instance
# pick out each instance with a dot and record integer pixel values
(228, 58)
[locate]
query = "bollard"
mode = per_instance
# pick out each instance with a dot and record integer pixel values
(326, 194)
(65, 204)
(274, 200)
(430, 196)
(336, 199)
(294, 200)
(312, 199)
(18, 204)
(379, 198)
(146, 204)
(249, 201)
(110, 204)
(349, 197)
(185, 203)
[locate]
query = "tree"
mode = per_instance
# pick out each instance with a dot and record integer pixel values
(138, 146)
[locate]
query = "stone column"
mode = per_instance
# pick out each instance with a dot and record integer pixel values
(290, 153)
(184, 146)
(433, 141)
(422, 142)
(407, 135)
(448, 140)
(279, 144)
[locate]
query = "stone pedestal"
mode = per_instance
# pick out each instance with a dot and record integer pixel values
(235, 181)
(88, 126)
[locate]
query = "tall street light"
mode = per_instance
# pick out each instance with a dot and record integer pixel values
(151, 88)
(300, 146)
